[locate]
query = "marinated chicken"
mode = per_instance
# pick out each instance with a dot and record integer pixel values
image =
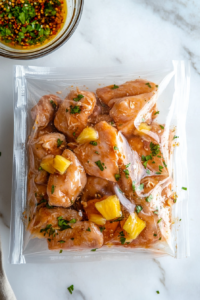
(100, 171)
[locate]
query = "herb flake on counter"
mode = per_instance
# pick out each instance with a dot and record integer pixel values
(157, 292)
(93, 250)
(184, 188)
(115, 87)
(100, 165)
(59, 143)
(71, 288)
(52, 189)
(78, 98)
(148, 84)
(138, 208)
(88, 229)
(75, 109)
(93, 143)
(60, 251)
(117, 177)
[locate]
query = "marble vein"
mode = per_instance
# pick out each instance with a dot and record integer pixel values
(162, 271)
(195, 60)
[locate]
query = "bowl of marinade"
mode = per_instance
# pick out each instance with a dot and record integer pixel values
(33, 28)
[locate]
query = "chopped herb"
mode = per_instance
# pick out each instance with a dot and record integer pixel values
(117, 177)
(72, 221)
(157, 292)
(155, 234)
(67, 110)
(156, 85)
(63, 224)
(52, 189)
(143, 120)
(48, 230)
(138, 208)
(157, 112)
(49, 206)
(159, 220)
(141, 186)
(159, 238)
(184, 188)
(128, 165)
(100, 165)
(155, 149)
(71, 288)
(53, 104)
(117, 220)
(148, 199)
(116, 148)
(75, 109)
(164, 164)
(88, 161)
(162, 127)
(112, 123)
(120, 124)
(74, 133)
(153, 162)
(145, 164)
(127, 243)
(49, 240)
(121, 233)
(155, 212)
(102, 229)
(96, 152)
(158, 156)
(160, 168)
(93, 143)
(72, 239)
(148, 84)
(93, 250)
(60, 251)
(133, 186)
(122, 240)
(40, 169)
(42, 201)
(88, 229)
(78, 98)
(114, 87)
(126, 173)
(158, 173)
(148, 172)
(175, 137)
(61, 241)
(179, 219)
(59, 143)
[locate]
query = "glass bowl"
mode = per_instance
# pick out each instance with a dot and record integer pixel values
(74, 12)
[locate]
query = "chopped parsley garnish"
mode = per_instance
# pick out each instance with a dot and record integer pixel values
(159, 220)
(148, 172)
(159, 238)
(74, 133)
(162, 127)
(75, 109)
(102, 229)
(42, 201)
(148, 84)
(148, 199)
(160, 168)
(155, 212)
(53, 104)
(49, 240)
(93, 143)
(158, 173)
(71, 288)
(141, 186)
(157, 292)
(175, 137)
(112, 123)
(145, 159)
(114, 87)
(154, 234)
(63, 224)
(117, 220)
(78, 98)
(72, 221)
(116, 148)
(155, 149)
(59, 143)
(117, 177)
(67, 110)
(128, 165)
(88, 229)
(48, 230)
(126, 173)
(158, 156)
(60, 251)
(122, 237)
(61, 241)
(156, 85)
(133, 186)
(52, 189)
(164, 164)
(93, 250)
(184, 188)
(180, 219)
(96, 152)
(100, 165)
(49, 206)
(153, 162)
(138, 208)
(157, 112)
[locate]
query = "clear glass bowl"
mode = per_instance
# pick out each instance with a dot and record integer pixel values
(74, 12)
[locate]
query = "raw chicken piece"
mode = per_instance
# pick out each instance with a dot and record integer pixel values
(100, 160)
(130, 88)
(72, 116)
(41, 177)
(82, 235)
(63, 189)
(44, 111)
(51, 143)
(96, 187)
(129, 112)
(49, 216)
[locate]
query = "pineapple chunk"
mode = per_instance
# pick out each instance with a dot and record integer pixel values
(109, 208)
(47, 164)
(144, 126)
(88, 134)
(61, 164)
(134, 226)
(97, 219)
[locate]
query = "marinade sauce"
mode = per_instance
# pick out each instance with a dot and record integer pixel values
(29, 24)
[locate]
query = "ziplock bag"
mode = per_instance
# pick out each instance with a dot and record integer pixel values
(155, 200)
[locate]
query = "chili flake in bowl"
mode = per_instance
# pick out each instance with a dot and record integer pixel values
(29, 26)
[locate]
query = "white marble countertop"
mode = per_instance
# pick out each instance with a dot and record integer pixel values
(114, 32)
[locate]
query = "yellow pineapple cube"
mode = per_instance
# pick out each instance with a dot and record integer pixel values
(134, 226)
(61, 164)
(97, 219)
(47, 164)
(88, 134)
(144, 126)
(109, 208)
